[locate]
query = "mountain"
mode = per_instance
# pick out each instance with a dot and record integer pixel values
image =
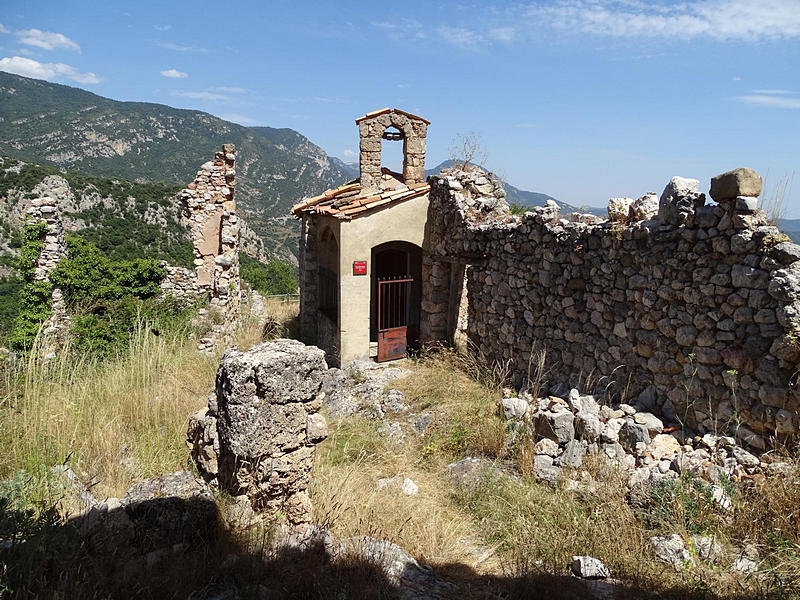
(353, 169)
(790, 227)
(73, 129)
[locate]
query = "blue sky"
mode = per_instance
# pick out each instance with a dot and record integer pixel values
(580, 99)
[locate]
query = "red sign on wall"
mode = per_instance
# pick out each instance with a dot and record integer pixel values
(359, 267)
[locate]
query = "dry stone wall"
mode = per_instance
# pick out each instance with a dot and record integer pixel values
(51, 193)
(695, 310)
(179, 283)
(210, 209)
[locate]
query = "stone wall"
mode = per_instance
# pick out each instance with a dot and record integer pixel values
(256, 440)
(210, 209)
(180, 283)
(308, 280)
(696, 310)
(50, 193)
(371, 128)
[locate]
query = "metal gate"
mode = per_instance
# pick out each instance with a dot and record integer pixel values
(394, 310)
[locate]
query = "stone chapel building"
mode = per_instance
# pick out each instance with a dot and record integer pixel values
(361, 249)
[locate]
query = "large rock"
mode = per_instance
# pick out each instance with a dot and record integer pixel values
(739, 182)
(679, 201)
(559, 427)
(672, 550)
(644, 208)
(267, 403)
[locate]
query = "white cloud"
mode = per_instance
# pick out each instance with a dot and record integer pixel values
(3, 29)
(240, 119)
(502, 34)
(459, 36)
(736, 78)
(201, 95)
(47, 40)
(181, 47)
(329, 99)
(770, 101)
(775, 92)
(28, 67)
(716, 19)
(229, 90)
(349, 153)
(174, 74)
(162, 27)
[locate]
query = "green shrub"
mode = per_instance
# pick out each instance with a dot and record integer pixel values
(33, 297)
(87, 276)
(276, 277)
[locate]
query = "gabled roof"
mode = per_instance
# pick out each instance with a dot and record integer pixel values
(383, 111)
(344, 202)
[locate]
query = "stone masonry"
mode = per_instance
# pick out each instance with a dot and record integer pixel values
(696, 305)
(256, 440)
(51, 192)
(371, 128)
(210, 209)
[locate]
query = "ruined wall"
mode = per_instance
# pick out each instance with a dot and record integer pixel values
(371, 128)
(210, 209)
(699, 308)
(256, 440)
(51, 193)
(180, 283)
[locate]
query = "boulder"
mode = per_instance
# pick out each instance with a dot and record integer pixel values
(679, 201)
(559, 427)
(739, 182)
(633, 433)
(671, 550)
(572, 455)
(644, 208)
(514, 407)
(588, 567)
(618, 209)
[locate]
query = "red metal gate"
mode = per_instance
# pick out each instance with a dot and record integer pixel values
(394, 309)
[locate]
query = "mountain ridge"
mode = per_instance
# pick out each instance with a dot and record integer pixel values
(73, 129)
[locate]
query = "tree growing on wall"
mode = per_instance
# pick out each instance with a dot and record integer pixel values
(467, 149)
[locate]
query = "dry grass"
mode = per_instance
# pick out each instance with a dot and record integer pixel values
(117, 421)
(527, 522)
(348, 501)
(280, 319)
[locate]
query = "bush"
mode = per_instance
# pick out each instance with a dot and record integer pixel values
(276, 277)
(33, 297)
(88, 276)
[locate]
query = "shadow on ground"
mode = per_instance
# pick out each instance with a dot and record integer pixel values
(177, 548)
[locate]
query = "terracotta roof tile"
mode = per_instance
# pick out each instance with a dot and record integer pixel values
(344, 202)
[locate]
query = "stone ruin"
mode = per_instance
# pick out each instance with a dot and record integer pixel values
(210, 210)
(50, 193)
(690, 309)
(256, 439)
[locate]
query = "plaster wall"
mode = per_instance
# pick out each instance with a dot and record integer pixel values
(404, 222)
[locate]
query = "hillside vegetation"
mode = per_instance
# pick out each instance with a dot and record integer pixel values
(114, 224)
(73, 129)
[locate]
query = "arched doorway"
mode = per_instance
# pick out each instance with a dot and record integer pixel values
(395, 298)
